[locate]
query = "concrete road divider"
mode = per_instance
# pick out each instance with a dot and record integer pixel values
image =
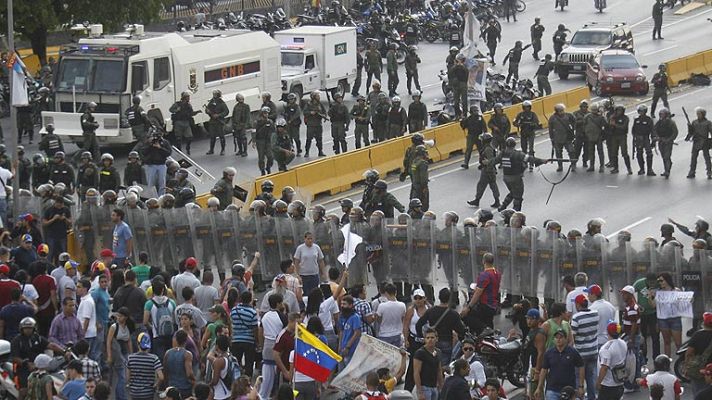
(317, 176)
(433, 152)
(677, 71)
(574, 97)
(349, 167)
(280, 180)
(388, 156)
(707, 56)
(449, 139)
(695, 64)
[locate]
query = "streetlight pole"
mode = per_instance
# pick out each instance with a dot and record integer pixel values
(12, 146)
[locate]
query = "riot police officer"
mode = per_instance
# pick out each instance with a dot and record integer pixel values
(415, 209)
(561, 132)
(133, 173)
(699, 132)
(359, 72)
(50, 143)
(267, 102)
(62, 172)
(182, 116)
(314, 114)
(419, 177)
(580, 150)
(475, 125)
(664, 134)
(282, 150)
(660, 88)
(293, 114)
(658, 19)
(514, 162)
(340, 121)
(642, 131)
(397, 119)
(136, 117)
(264, 127)
(514, 56)
(223, 187)
(360, 114)
(450, 59)
(618, 125)
(417, 114)
(500, 126)
(87, 175)
(383, 201)
(346, 206)
(488, 172)
(40, 171)
(542, 75)
(288, 194)
(241, 121)
(89, 127)
(416, 140)
(392, 69)
(411, 68)
(109, 178)
(371, 176)
(24, 168)
(266, 195)
(536, 33)
(217, 111)
(528, 122)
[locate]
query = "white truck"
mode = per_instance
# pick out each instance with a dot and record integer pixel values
(317, 58)
(110, 69)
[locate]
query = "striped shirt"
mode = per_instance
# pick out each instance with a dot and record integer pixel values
(244, 320)
(143, 367)
(584, 325)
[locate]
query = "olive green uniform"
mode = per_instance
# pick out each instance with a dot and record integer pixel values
(699, 132)
(392, 69)
(264, 127)
(411, 70)
(217, 111)
(89, 126)
(223, 191)
(397, 122)
(282, 149)
(314, 113)
(182, 116)
(419, 181)
(241, 120)
(374, 65)
(293, 115)
(360, 115)
(380, 120)
(136, 117)
(501, 128)
(417, 117)
(340, 120)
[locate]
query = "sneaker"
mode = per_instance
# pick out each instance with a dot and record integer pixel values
(465, 166)
(495, 205)
(475, 203)
(651, 173)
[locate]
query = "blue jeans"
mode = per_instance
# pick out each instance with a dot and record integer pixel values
(445, 352)
(638, 362)
(57, 246)
(551, 395)
(591, 369)
(119, 369)
(430, 393)
(394, 340)
(156, 177)
(98, 345)
(3, 211)
(309, 283)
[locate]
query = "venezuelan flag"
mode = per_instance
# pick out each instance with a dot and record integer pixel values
(312, 357)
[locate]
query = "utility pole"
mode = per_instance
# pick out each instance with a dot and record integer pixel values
(12, 146)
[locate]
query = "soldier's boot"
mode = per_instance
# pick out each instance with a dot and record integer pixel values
(319, 147)
(641, 164)
(244, 146)
(505, 203)
(213, 139)
(517, 204)
(475, 202)
(496, 203)
(222, 146)
(187, 146)
(262, 172)
(649, 160)
(626, 159)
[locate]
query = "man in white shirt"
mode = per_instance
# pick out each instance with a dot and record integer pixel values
(271, 325)
(606, 312)
(86, 313)
(186, 279)
(390, 314)
(580, 280)
(188, 307)
(611, 355)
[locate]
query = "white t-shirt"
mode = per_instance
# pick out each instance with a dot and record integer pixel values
(271, 325)
(29, 291)
(327, 309)
(571, 298)
(391, 313)
(186, 279)
(298, 376)
(4, 176)
(606, 312)
(668, 381)
(612, 354)
(87, 310)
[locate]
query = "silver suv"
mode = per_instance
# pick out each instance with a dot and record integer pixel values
(590, 40)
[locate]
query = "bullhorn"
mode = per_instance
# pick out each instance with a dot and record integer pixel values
(429, 143)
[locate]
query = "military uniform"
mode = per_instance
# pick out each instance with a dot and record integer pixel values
(24, 172)
(619, 140)
(488, 174)
(217, 111)
(380, 121)
(559, 40)
(500, 127)
(542, 77)
(665, 133)
(293, 115)
(359, 72)
(40, 174)
(536, 32)
(384, 202)
(223, 191)
(594, 126)
(264, 127)
(514, 162)
(642, 131)
(272, 109)
(89, 126)
(241, 120)
(136, 117)
(109, 179)
(360, 115)
(133, 174)
(282, 150)
(580, 150)
(491, 34)
(87, 177)
(63, 173)
(314, 113)
(182, 116)
(660, 90)
(458, 76)
(374, 64)
(514, 57)
(397, 122)
(340, 120)
(419, 181)
(475, 125)
(392, 69)
(51, 144)
(417, 117)
(528, 123)
(411, 70)
(658, 19)
(561, 132)
(699, 132)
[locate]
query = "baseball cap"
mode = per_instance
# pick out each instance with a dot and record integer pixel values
(100, 266)
(533, 313)
(280, 278)
(64, 257)
(4, 269)
(418, 293)
(613, 329)
(26, 238)
(595, 290)
(42, 361)
(27, 217)
(705, 371)
(107, 253)
(170, 392)
(191, 262)
(560, 332)
(71, 264)
(144, 341)
(628, 289)
(42, 249)
(707, 318)
(581, 300)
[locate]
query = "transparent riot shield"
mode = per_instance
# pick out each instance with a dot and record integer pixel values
(691, 279)
(397, 248)
(523, 244)
(138, 221)
(617, 268)
(212, 249)
(182, 234)
(267, 233)
(504, 255)
(284, 236)
(447, 273)
(106, 227)
(590, 251)
(227, 228)
(378, 262)
(250, 237)
(161, 250)
(322, 237)
(355, 241)
(545, 272)
(705, 260)
(86, 231)
(299, 226)
(423, 250)
(467, 255)
(201, 232)
(337, 236)
(29, 204)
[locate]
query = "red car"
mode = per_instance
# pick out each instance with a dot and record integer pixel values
(616, 72)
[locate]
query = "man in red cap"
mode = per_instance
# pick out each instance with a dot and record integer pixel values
(700, 345)
(706, 393)
(6, 285)
(631, 328)
(606, 312)
(42, 263)
(611, 355)
(185, 279)
(584, 326)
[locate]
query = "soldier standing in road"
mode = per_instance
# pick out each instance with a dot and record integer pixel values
(559, 39)
(241, 120)
(475, 125)
(374, 64)
(109, 178)
(642, 132)
(510, 8)
(62, 172)
(340, 121)
(537, 32)
(383, 201)
(416, 139)
(314, 114)
(282, 150)
(293, 114)
(658, 19)
(492, 35)
(136, 117)
(89, 127)
(419, 177)
(458, 76)
(488, 172)
(264, 127)
(360, 114)
(411, 68)
(660, 88)
(528, 122)
(542, 75)
(514, 162)
(267, 102)
(217, 111)
(700, 132)
(397, 119)
(665, 133)
(359, 72)
(223, 187)
(618, 124)
(182, 116)
(379, 120)
(417, 114)
(87, 175)
(561, 132)
(580, 150)
(594, 125)
(500, 126)
(50, 143)
(392, 69)
(514, 56)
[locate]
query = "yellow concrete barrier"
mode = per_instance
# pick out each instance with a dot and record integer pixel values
(349, 167)
(32, 62)
(388, 156)
(318, 177)
(202, 200)
(280, 180)
(433, 152)
(549, 102)
(511, 113)
(707, 56)
(574, 97)
(695, 64)
(538, 109)
(677, 71)
(449, 139)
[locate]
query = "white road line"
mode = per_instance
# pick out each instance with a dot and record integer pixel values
(612, 186)
(659, 51)
(640, 22)
(631, 226)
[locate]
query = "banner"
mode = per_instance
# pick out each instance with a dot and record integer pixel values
(671, 304)
(19, 85)
(370, 354)
(475, 63)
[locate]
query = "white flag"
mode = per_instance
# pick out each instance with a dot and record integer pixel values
(471, 34)
(18, 97)
(351, 240)
(369, 355)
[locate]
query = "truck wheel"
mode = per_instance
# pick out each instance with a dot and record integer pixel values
(341, 89)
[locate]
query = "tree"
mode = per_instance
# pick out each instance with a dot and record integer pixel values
(35, 19)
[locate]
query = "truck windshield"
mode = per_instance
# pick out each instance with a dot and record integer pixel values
(292, 59)
(591, 38)
(94, 75)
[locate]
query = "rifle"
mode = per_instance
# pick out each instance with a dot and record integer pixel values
(689, 126)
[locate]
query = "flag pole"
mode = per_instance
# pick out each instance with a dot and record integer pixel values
(12, 146)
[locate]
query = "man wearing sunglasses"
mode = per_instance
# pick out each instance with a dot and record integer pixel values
(477, 369)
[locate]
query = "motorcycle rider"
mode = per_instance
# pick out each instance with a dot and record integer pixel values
(340, 121)
(360, 114)
(528, 122)
(25, 347)
(217, 111)
(492, 35)
(89, 127)
(642, 131)
(293, 114)
(392, 69)
(241, 120)
(454, 35)
(136, 116)
(50, 143)
(514, 56)
(411, 68)
(537, 32)
(411, 32)
(417, 114)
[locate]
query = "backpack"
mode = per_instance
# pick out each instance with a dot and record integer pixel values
(232, 374)
(163, 322)
(625, 371)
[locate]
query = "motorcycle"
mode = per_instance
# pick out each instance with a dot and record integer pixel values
(679, 366)
(524, 90)
(505, 358)
(599, 5)
(434, 31)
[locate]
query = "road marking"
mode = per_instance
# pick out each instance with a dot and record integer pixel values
(631, 226)
(659, 51)
(640, 22)
(670, 24)
(612, 186)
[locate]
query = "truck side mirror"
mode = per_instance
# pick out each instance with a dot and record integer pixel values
(138, 76)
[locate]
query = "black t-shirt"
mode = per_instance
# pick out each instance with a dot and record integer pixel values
(700, 340)
(429, 368)
(451, 322)
(705, 394)
(57, 228)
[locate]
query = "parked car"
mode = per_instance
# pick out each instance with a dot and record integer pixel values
(590, 40)
(616, 72)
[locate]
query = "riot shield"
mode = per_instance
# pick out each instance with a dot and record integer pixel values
(181, 232)
(523, 244)
(504, 254)
(29, 204)
(323, 237)
(548, 250)
(691, 279)
(672, 260)
(467, 255)
(161, 252)
(299, 226)
(590, 251)
(397, 248)
(355, 235)
(423, 250)
(207, 235)
(227, 229)
(617, 269)
(285, 237)
(378, 262)
(267, 234)
(447, 274)
(200, 232)
(250, 237)
(86, 231)
(106, 227)
(705, 260)
(138, 221)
